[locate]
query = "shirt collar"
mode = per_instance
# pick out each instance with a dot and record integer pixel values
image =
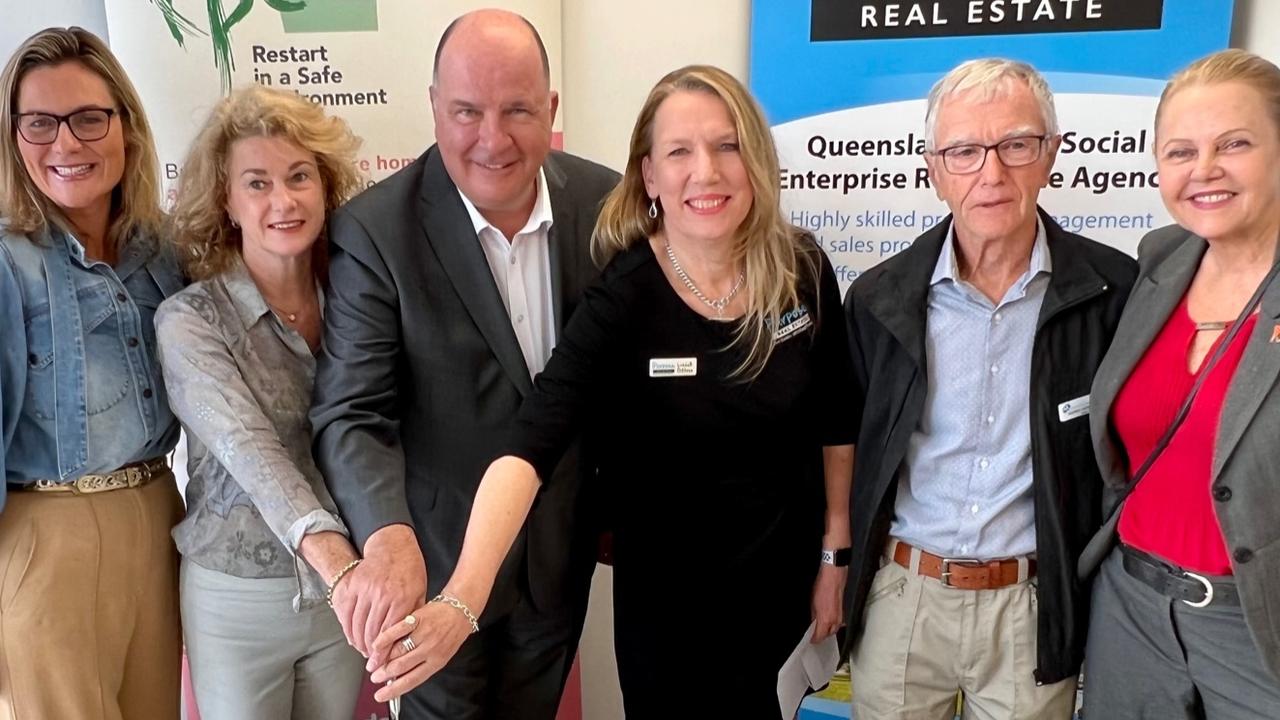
(947, 267)
(244, 292)
(538, 219)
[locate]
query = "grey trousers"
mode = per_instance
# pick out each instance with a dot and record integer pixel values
(253, 658)
(1150, 656)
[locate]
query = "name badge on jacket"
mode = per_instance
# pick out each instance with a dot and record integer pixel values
(1073, 409)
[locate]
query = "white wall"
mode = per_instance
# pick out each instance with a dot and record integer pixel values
(615, 51)
(22, 18)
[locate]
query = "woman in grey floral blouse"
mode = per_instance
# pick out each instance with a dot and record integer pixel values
(237, 349)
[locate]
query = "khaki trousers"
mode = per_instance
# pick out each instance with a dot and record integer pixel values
(89, 626)
(923, 642)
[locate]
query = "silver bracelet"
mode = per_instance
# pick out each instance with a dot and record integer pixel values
(461, 607)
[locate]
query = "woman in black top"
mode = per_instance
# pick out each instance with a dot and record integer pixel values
(710, 362)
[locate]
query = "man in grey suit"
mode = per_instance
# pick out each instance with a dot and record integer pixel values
(449, 282)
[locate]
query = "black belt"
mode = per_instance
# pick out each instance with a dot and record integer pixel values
(1191, 588)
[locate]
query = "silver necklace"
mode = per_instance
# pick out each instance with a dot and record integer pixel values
(719, 304)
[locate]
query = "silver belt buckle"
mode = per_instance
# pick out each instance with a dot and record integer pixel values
(944, 574)
(1208, 589)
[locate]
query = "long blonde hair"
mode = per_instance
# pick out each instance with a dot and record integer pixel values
(772, 252)
(199, 225)
(135, 202)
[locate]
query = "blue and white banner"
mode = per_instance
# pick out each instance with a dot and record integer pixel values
(843, 83)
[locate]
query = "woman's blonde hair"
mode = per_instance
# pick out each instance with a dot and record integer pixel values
(135, 202)
(771, 250)
(1232, 65)
(207, 241)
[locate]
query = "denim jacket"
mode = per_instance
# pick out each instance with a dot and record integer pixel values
(80, 385)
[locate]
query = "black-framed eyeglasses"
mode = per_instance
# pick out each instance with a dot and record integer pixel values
(87, 125)
(1013, 152)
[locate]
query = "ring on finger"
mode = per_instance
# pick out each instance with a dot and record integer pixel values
(408, 644)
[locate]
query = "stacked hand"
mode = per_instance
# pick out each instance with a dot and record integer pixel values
(389, 584)
(418, 647)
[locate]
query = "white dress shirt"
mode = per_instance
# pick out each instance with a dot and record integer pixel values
(521, 268)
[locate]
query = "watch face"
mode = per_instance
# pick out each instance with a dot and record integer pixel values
(839, 558)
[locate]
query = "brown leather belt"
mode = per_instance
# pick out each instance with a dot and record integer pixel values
(964, 574)
(130, 476)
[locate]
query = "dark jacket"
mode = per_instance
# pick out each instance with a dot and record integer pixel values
(886, 309)
(421, 375)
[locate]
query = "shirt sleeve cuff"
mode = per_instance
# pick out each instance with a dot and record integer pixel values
(313, 522)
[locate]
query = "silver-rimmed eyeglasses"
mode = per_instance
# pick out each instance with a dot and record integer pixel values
(1013, 152)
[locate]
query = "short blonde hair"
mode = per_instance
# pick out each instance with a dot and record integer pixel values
(1225, 66)
(990, 78)
(200, 227)
(135, 202)
(771, 250)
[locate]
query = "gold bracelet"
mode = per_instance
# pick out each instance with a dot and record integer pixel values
(454, 602)
(328, 594)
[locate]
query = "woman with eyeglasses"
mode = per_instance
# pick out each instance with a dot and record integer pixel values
(89, 622)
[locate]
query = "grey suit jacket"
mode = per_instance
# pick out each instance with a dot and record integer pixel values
(421, 374)
(1246, 457)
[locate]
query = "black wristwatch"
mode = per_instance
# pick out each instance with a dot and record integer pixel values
(839, 558)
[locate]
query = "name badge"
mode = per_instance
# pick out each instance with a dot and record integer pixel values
(1073, 409)
(673, 367)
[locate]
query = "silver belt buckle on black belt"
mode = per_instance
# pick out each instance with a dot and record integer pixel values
(1208, 589)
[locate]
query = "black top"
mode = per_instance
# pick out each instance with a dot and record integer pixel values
(702, 466)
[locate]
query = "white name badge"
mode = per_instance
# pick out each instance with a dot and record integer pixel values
(1073, 409)
(673, 367)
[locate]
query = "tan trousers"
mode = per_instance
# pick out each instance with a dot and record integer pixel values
(924, 642)
(89, 626)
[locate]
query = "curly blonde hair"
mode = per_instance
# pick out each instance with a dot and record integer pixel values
(135, 202)
(776, 255)
(199, 225)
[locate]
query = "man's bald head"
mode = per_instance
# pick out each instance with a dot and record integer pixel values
(495, 23)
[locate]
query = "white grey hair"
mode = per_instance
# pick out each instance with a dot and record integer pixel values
(990, 78)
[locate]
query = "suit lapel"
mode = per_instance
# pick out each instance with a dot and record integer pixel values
(1253, 380)
(453, 239)
(563, 232)
(1152, 301)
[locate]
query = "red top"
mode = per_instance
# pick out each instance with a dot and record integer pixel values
(1171, 514)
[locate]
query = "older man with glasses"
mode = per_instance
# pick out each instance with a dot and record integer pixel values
(975, 486)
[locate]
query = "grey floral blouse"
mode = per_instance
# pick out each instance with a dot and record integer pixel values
(240, 383)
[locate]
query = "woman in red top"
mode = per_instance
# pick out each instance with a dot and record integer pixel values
(1186, 608)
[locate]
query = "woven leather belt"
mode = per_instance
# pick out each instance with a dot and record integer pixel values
(964, 574)
(1173, 582)
(130, 476)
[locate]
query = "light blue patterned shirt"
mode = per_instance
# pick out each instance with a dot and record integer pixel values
(964, 489)
(240, 382)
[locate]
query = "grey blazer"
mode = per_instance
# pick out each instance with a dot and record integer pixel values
(1246, 458)
(421, 374)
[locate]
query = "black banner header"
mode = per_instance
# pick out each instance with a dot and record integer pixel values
(884, 19)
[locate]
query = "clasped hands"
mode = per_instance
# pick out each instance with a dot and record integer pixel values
(382, 607)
